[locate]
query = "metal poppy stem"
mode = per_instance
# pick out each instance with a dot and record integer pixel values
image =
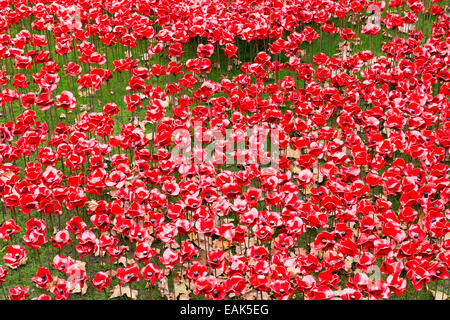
(20, 276)
(5, 115)
(38, 256)
(4, 292)
(448, 286)
(4, 212)
(171, 279)
(151, 290)
(436, 288)
(131, 290)
(106, 294)
(11, 110)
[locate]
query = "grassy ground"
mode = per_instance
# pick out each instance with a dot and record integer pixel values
(114, 92)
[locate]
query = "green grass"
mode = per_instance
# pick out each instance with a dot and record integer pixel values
(114, 91)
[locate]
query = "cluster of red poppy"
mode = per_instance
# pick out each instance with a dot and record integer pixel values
(361, 183)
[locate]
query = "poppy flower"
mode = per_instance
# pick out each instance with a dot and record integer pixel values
(20, 81)
(230, 50)
(235, 284)
(61, 290)
(3, 274)
(43, 278)
(15, 256)
(170, 258)
(396, 284)
(167, 233)
(281, 289)
(116, 252)
(324, 241)
(42, 297)
(205, 285)
(73, 69)
(205, 50)
(262, 232)
(101, 281)
(216, 259)
(9, 228)
(61, 263)
(347, 34)
(151, 273)
(351, 294)
(357, 166)
(129, 274)
(347, 248)
(76, 225)
(188, 251)
(19, 293)
(196, 271)
(76, 275)
(66, 100)
(88, 243)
